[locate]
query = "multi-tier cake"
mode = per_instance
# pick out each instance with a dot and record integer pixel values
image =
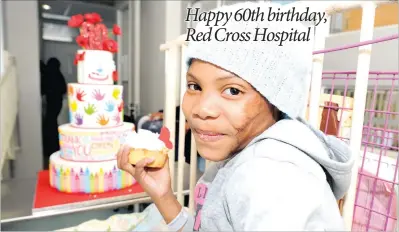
(86, 161)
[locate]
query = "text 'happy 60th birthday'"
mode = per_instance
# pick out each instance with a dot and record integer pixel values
(216, 21)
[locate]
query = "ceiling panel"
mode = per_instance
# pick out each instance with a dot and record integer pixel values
(57, 7)
(69, 8)
(106, 14)
(56, 29)
(102, 2)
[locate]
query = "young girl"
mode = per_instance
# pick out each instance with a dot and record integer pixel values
(273, 171)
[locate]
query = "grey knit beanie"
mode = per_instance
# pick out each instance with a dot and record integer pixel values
(280, 73)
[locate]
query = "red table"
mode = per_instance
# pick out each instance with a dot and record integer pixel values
(48, 198)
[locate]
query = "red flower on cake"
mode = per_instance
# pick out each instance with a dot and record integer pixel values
(115, 75)
(165, 136)
(82, 41)
(79, 57)
(110, 45)
(76, 20)
(93, 18)
(116, 30)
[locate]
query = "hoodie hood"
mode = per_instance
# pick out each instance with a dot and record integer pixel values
(328, 151)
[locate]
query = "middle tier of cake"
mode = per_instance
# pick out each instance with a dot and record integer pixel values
(95, 106)
(79, 144)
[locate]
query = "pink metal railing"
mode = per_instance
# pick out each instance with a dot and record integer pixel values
(375, 208)
(359, 44)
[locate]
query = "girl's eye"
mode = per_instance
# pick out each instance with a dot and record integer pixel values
(194, 87)
(232, 91)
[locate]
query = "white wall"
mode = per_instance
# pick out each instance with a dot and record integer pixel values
(152, 64)
(65, 53)
(156, 16)
(154, 33)
(22, 41)
(384, 56)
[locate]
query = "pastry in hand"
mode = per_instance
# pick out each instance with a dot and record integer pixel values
(146, 144)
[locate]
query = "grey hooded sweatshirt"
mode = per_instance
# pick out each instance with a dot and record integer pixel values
(277, 183)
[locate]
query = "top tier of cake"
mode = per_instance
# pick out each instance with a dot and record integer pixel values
(95, 67)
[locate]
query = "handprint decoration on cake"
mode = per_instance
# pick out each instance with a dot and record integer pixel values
(117, 117)
(79, 119)
(80, 94)
(94, 102)
(98, 95)
(120, 106)
(116, 93)
(102, 120)
(73, 106)
(110, 106)
(90, 109)
(70, 90)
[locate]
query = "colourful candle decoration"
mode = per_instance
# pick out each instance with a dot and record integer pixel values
(67, 180)
(114, 178)
(125, 180)
(96, 183)
(77, 183)
(61, 179)
(57, 178)
(51, 174)
(101, 179)
(106, 185)
(119, 179)
(91, 182)
(109, 181)
(72, 181)
(81, 181)
(87, 181)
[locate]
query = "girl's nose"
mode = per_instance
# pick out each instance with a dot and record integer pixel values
(207, 108)
(207, 113)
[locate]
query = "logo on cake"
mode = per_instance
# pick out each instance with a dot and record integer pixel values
(98, 74)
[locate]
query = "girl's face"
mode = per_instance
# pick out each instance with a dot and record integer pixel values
(224, 112)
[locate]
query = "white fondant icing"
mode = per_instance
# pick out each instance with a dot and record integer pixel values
(96, 67)
(95, 106)
(105, 165)
(91, 144)
(144, 139)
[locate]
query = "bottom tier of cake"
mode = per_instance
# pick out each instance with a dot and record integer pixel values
(87, 177)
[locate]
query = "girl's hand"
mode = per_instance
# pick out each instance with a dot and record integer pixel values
(156, 182)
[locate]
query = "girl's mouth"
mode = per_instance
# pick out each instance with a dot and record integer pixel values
(208, 136)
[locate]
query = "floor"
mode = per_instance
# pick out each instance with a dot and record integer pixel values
(57, 222)
(17, 199)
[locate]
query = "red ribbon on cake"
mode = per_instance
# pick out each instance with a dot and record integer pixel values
(164, 136)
